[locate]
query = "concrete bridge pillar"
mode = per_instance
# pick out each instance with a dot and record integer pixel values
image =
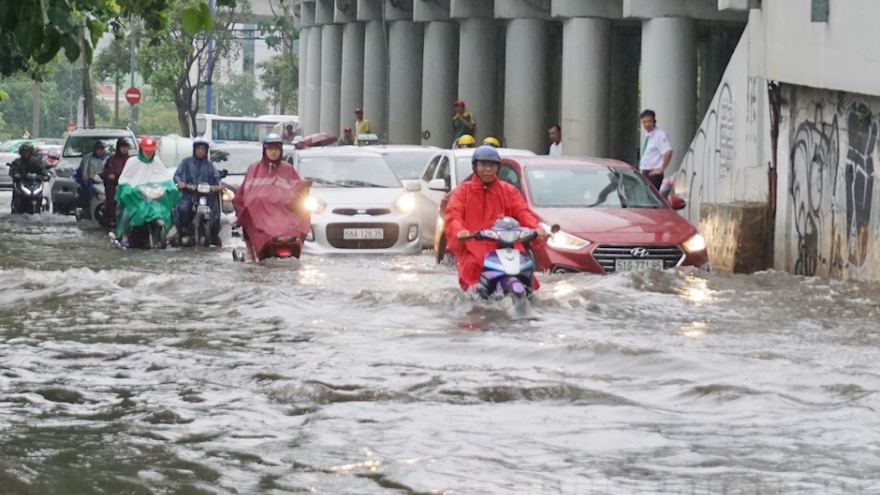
(478, 74)
(352, 73)
(375, 78)
(331, 78)
(405, 84)
(313, 83)
(526, 85)
(302, 61)
(669, 79)
(586, 83)
(439, 82)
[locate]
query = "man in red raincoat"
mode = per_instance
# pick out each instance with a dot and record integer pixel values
(475, 205)
(110, 175)
(270, 172)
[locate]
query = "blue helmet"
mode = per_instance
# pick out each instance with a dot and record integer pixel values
(200, 141)
(486, 153)
(272, 138)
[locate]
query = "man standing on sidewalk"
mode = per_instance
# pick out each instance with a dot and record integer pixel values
(656, 150)
(555, 134)
(361, 125)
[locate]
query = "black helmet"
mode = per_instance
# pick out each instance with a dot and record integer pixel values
(26, 147)
(98, 144)
(122, 142)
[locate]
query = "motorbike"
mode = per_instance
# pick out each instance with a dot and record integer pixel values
(96, 206)
(30, 194)
(150, 234)
(507, 271)
(275, 229)
(200, 232)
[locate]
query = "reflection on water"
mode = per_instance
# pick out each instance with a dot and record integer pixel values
(182, 372)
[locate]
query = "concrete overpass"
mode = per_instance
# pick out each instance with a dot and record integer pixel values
(520, 65)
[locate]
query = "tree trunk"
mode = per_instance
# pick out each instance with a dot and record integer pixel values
(117, 81)
(285, 53)
(182, 113)
(88, 97)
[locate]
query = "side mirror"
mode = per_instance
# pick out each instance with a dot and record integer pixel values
(412, 185)
(554, 228)
(224, 173)
(437, 185)
(676, 203)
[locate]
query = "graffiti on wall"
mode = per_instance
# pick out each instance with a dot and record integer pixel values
(832, 189)
(711, 156)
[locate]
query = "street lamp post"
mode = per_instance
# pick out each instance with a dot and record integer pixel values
(210, 67)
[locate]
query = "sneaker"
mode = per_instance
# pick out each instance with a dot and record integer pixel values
(248, 256)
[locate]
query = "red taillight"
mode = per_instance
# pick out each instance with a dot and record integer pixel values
(283, 253)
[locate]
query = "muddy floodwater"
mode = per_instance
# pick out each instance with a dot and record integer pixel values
(181, 372)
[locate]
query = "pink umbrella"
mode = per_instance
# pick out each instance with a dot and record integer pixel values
(319, 139)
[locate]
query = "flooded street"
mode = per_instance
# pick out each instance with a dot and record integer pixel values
(182, 372)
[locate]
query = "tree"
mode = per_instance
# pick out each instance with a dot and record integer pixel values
(33, 32)
(176, 66)
(114, 63)
(277, 71)
(237, 97)
(282, 33)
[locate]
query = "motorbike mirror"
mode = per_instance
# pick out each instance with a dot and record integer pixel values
(554, 228)
(224, 173)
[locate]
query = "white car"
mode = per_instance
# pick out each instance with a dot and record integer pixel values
(358, 203)
(408, 160)
(445, 170)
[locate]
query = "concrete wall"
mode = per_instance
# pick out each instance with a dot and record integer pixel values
(840, 54)
(727, 159)
(828, 222)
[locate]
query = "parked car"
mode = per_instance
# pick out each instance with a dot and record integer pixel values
(408, 161)
(611, 218)
(358, 203)
(441, 174)
(80, 142)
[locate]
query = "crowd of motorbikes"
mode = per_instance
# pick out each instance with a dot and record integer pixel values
(507, 271)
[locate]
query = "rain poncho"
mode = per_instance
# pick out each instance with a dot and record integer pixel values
(114, 166)
(270, 203)
(138, 171)
(475, 206)
(195, 171)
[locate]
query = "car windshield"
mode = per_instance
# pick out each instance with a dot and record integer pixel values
(409, 164)
(77, 146)
(347, 171)
(587, 187)
(463, 168)
(235, 160)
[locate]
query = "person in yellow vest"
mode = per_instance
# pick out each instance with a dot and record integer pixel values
(361, 124)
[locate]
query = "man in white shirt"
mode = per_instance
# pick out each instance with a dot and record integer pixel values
(656, 150)
(555, 133)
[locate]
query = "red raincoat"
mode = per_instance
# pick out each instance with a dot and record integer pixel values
(115, 165)
(269, 203)
(475, 206)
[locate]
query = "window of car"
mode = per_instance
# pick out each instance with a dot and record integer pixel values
(509, 175)
(77, 146)
(347, 171)
(587, 187)
(432, 167)
(408, 164)
(235, 160)
(443, 172)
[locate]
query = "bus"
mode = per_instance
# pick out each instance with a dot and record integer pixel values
(219, 129)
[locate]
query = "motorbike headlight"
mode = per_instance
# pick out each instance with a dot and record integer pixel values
(203, 188)
(405, 203)
(315, 205)
(152, 193)
(565, 241)
(695, 243)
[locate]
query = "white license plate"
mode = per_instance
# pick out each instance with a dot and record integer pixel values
(204, 209)
(363, 234)
(630, 265)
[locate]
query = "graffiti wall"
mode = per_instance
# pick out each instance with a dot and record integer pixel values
(831, 221)
(726, 160)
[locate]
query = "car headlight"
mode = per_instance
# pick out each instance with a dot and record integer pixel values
(695, 243)
(315, 205)
(405, 203)
(564, 241)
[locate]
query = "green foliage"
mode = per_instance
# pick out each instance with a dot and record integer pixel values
(155, 117)
(114, 61)
(172, 62)
(280, 79)
(237, 98)
(33, 32)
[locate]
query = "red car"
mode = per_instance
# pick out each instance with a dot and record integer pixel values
(611, 219)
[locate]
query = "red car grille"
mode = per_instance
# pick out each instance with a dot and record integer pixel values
(606, 254)
(335, 236)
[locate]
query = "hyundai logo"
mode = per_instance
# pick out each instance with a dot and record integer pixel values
(639, 252)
